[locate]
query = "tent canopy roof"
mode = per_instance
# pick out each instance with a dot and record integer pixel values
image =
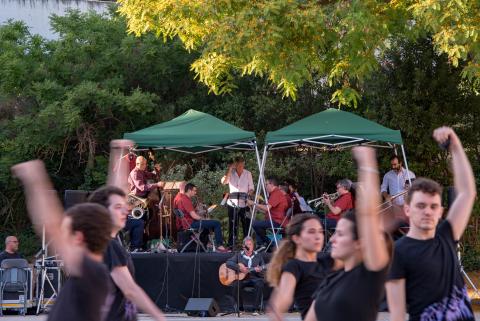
(193, 132)
(332, 128)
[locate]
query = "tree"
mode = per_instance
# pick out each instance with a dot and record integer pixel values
(291, 41)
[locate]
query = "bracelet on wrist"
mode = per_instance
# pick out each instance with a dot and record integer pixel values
(368, 169)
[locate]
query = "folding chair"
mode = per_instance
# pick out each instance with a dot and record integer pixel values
(194, 233)
(277, 232)
(251, 291)
(14, 280)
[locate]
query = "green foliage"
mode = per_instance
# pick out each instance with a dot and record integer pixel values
(288, 41)
(64, 100)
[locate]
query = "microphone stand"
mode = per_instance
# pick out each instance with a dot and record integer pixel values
(236, 209)
(41, 305)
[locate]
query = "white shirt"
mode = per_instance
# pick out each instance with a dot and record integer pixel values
(394, 183)
(242, 184)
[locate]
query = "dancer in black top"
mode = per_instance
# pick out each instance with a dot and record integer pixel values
(295, 269)
(354, 294)
(80, 238)
(127, 293)
(425, 277)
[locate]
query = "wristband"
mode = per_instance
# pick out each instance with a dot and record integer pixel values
(368, 169)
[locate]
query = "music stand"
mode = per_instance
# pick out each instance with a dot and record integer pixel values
(236, 196)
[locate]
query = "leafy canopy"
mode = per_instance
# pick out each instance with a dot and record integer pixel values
(289, 41)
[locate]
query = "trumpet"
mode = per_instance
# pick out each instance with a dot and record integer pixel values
(320, 201)
(388, 204)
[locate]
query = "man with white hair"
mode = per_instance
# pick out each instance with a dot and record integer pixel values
(343, 203)
(250, 262)
(11, 249)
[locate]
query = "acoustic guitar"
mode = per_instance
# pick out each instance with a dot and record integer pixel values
(227, 275)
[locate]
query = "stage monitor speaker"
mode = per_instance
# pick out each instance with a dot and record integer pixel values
(202, 307)
(74, 197)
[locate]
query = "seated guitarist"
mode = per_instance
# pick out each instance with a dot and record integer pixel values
(243, 262)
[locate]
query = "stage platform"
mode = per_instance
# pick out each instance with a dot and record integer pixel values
(170, 279)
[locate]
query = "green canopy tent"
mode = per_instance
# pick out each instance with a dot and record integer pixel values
(195, 132)
(331, 129)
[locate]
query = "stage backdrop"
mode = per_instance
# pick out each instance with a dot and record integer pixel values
(170, 279)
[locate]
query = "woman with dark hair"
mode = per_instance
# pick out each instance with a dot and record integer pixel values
(295, 270)
(359, 242)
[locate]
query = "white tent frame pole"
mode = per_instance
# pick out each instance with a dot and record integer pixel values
(257, 190)
(262, 183)
(406, 165)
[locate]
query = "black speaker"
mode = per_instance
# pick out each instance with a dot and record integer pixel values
(202, 307)
(74, 197)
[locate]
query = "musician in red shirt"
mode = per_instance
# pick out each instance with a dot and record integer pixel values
(183, 202)
(343, 203)
(277, 206)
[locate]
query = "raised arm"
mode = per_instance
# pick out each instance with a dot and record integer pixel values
(46, 210)
(226, 178)
(118, 165)
(464, 181)
(374, 249)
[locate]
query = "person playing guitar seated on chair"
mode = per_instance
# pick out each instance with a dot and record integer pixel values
(192, 219)
(251, 263)
(277, 206)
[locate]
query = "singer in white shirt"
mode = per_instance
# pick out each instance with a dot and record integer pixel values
(239, 180)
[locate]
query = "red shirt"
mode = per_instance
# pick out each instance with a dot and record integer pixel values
(279, 205)
(345, 202)
(184, 204)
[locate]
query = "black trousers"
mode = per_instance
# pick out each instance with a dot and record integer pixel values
(240, 217)
(256, 283)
